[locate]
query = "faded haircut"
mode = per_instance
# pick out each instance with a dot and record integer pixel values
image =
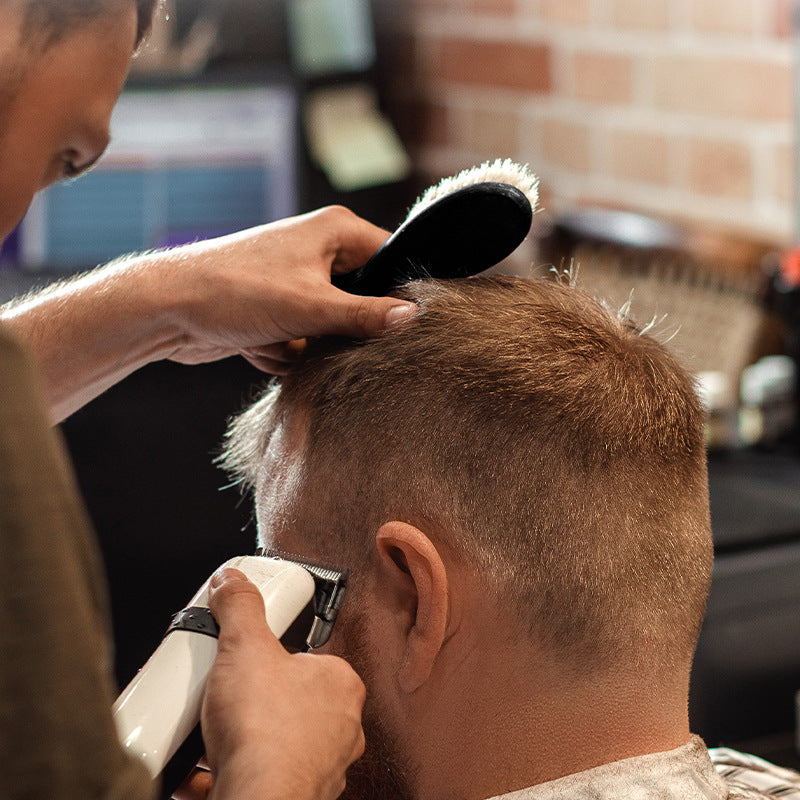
(48, 21)
(545, 439)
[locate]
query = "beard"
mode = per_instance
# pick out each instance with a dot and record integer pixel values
(381, 773)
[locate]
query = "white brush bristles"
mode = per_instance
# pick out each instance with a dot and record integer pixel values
(499, 171)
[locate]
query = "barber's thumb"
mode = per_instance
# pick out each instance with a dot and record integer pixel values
(237, 606)
(366, 317)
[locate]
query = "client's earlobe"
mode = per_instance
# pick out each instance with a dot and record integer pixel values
(411, 562)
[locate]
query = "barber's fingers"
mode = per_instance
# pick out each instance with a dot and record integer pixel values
(196, 786)
(333, 312)
(277, 358)
(343, 694)
(346, 314)
(285, 352)
(350, 315)
(238, 607)
(356, 239)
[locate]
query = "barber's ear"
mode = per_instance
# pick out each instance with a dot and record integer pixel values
(413, 579)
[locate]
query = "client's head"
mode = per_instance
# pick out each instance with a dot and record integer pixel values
(517, 480)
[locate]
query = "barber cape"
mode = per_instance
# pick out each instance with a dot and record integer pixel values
(690, 772)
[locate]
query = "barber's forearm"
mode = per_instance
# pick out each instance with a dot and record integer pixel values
(90, 332)
(258, 292)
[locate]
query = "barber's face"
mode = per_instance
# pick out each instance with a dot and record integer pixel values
(56, 109)
(381, 774)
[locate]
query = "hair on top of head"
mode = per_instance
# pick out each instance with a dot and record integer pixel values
(49, 21)
(539, 435)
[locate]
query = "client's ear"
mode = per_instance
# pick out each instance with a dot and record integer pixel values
(413, 581)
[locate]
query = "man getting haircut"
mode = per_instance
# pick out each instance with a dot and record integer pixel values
(517, 480)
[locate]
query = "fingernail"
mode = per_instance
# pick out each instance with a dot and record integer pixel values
(399, 314)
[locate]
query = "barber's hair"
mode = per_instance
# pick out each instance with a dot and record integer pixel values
(52, 19)
(549, 442)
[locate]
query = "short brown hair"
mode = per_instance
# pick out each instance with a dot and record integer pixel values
(548, 441)
(52, 19)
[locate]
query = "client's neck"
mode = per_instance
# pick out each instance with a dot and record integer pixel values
(502, 726)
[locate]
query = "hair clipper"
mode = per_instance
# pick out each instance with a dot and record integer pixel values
(161, 706)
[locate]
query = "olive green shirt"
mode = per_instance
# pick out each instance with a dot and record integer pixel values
(57, 736)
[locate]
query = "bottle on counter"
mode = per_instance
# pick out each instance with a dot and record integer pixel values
(767, 410)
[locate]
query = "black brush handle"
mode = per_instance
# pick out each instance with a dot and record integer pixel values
(460, 234)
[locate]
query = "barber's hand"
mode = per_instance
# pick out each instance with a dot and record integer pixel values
(261, 292)
(275, 725)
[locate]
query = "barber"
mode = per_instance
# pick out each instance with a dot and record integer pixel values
(275, 725)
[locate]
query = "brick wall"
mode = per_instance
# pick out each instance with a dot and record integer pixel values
(681, 108)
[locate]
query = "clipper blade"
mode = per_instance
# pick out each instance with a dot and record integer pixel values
(330, 584)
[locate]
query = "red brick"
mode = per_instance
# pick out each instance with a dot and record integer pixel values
(570, 12)
(507, 65)
(724, 16)
(784, 18)
(492, 134)
(720, 168)
(724, 87)
(639, 156)
(635, 15)
(499, 7)
(565, 144)
(602, 77)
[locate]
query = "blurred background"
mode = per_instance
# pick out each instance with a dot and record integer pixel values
(665, 136)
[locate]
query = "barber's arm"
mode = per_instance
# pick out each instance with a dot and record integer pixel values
(255, 293)
(275, 725)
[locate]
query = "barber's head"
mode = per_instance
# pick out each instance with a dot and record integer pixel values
(62, 66)
(47, 21)
(516, 459)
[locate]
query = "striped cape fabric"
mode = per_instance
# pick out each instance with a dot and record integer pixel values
(689, 772)
(752, 778)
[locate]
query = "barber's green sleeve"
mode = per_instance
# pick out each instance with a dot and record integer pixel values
(57, 738)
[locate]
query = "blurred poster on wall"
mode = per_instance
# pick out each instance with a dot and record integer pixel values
(353, 143)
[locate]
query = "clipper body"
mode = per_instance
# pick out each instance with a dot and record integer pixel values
(161, 705)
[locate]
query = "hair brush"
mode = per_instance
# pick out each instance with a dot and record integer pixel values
(460, 227)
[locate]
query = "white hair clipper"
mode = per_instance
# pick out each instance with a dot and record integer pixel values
(160, 707)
